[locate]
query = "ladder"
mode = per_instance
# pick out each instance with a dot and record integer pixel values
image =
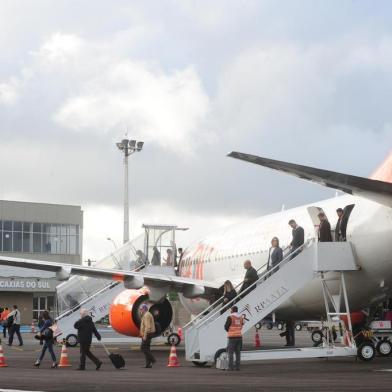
(205, 336)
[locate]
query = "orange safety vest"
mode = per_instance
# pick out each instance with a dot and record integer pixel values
(235, 330)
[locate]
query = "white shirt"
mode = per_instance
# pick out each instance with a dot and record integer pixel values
(16, 314)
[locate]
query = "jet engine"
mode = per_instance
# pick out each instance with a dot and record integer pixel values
(124, 311)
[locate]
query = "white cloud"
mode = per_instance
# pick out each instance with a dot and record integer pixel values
(166, 109)
(9, 91)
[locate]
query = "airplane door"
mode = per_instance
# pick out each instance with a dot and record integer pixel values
(313, 213)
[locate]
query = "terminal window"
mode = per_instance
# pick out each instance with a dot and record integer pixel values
(35, 237)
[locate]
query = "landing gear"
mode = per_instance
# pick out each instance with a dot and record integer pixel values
(366, 350)
(279, 326)
(298, 327)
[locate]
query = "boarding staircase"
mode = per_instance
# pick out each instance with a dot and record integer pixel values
(96, 295)
(205, 337)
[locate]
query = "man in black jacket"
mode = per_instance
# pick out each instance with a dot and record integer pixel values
(298, 238)
(86, 329)
(250, 276)
(341, 226)
(324, 232)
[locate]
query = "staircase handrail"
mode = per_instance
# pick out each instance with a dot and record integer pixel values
(265, 275)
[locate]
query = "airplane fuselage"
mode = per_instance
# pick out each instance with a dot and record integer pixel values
(221, 255)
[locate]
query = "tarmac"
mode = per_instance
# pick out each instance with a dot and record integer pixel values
(344, 374)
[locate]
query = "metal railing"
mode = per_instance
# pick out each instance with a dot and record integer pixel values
(213, 309)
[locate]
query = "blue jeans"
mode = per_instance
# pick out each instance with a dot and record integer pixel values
(48, 345)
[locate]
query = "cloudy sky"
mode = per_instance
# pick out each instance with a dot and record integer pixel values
(303, 81)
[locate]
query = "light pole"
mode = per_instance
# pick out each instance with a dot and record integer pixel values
(113, 242)
(127, 147)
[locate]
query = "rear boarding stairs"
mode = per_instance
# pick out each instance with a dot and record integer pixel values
(205, 337)
(96, 295)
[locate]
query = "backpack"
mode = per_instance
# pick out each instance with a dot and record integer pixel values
(10, 321)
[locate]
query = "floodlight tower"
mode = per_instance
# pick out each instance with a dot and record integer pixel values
(127, 147)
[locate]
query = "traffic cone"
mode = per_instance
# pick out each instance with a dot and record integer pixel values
(2, 358)
(179, 332)
(64, 361)
(173, 360)
(257, 340)
(32, 326)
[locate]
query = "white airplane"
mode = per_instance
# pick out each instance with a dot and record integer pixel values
(220, 256)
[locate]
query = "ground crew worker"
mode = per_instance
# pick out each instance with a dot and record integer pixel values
(147, 330)
(233, 326)
(4, 316)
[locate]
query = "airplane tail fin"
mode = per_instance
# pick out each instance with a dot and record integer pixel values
(384, 171)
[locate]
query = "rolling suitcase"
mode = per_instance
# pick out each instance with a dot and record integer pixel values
(116, 359)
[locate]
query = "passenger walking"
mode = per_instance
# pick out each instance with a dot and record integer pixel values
(324, 232)
(147, 331)
(46, 335)
(341, 226)
(13, 323)
(276, 254)
(4, 316)
(233, 327)
(298, 238)
(250, 276)
(86, 328)
(169, 258)
(156, 257)
(229, 294)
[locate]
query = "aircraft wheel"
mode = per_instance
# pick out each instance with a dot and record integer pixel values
(199, 364)
(298, 327)
(366, 351)
(258, 326)
(384, 347)
(317, 336)
(279, 326)
(72, 340)
(174, 338)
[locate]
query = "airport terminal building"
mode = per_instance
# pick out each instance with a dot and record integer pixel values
(37, 231)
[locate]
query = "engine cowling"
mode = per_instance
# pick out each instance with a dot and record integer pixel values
(124, 311)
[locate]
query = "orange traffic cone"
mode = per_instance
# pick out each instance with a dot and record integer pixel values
(2, 358)
(32, 326)
(64, 361)
(257, 340)
(173, 360)
(179, 332)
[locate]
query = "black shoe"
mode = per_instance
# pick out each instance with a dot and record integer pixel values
(148, 366)
(54, 365)
(79, 368)
(37, 363)
(98, 366)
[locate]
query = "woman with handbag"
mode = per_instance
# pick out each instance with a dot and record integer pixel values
(46, 334)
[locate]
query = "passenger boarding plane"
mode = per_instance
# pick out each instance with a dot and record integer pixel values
(220, 256)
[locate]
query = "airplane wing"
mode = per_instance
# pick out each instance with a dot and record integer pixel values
(378, 191)
(189, 287)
